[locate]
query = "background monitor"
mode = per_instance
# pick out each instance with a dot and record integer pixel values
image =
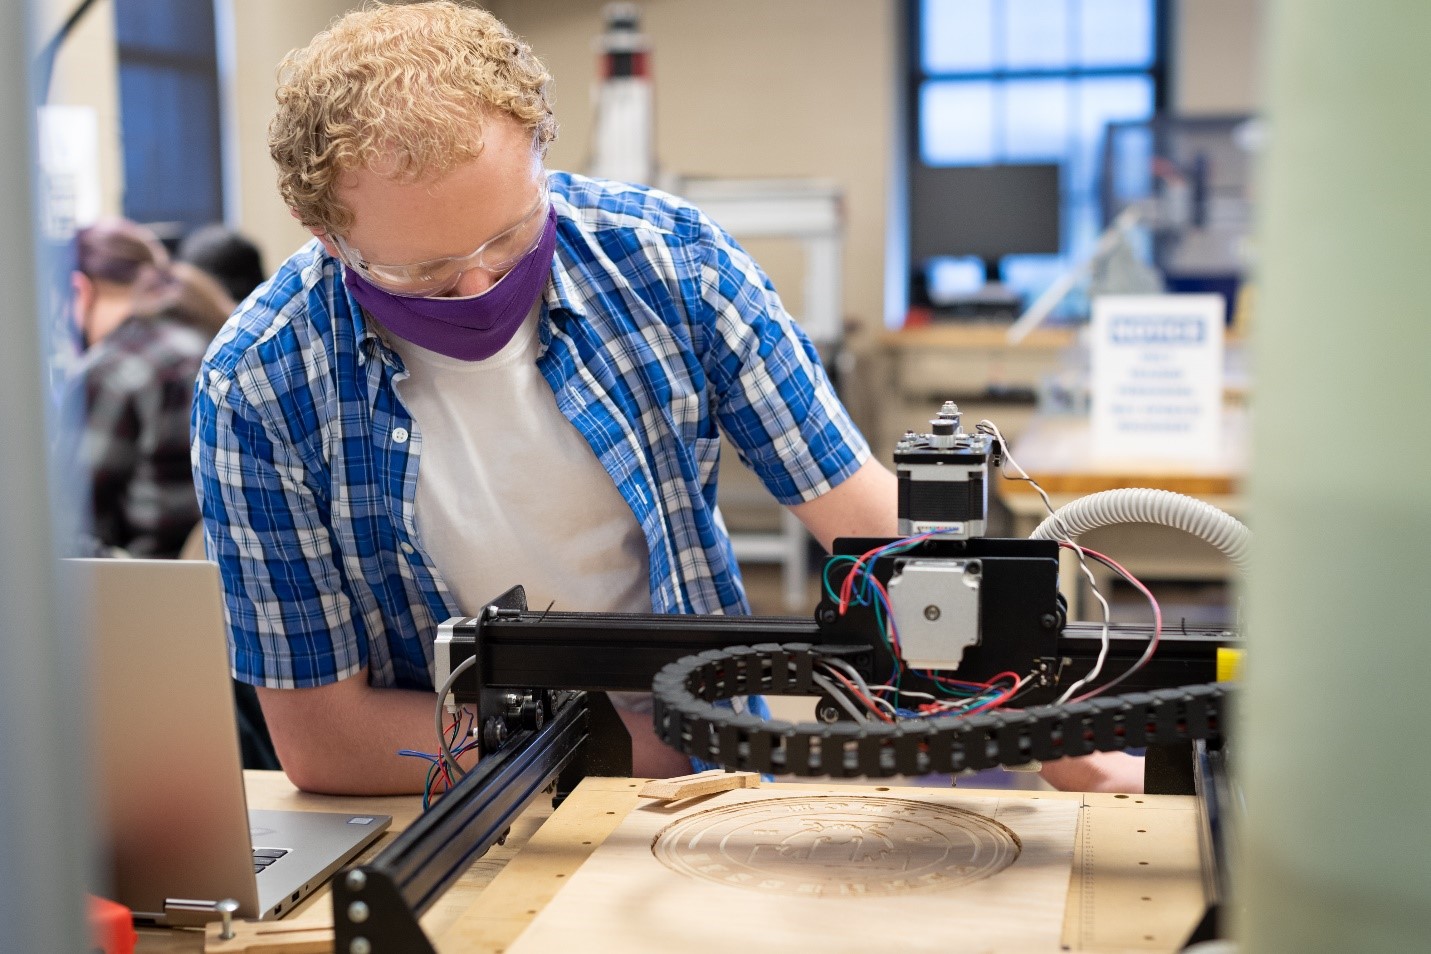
(984, 211)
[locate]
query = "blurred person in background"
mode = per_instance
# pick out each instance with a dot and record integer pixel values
(229, 257)
(143, 323)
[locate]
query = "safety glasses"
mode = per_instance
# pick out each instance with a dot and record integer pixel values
(429, 279)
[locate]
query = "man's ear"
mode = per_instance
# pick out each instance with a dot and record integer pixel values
(320, 235)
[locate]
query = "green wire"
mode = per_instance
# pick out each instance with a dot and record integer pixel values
(829, 589)
(882, 626)
(427, 786)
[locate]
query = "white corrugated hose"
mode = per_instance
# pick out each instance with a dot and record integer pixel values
(1145, 505)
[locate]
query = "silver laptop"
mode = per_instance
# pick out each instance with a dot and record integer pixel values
(174, 824)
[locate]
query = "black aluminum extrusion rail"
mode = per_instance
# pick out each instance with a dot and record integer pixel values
(376, 905)
(600, 651)
(518, 649)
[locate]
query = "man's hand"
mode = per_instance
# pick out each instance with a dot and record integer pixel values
(650, 757)
(1099, 772)
(343, 738)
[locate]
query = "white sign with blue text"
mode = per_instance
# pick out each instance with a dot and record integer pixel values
(1157, 376)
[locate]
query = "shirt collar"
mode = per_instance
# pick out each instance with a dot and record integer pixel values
(561, 294)
(370, 340)
(327, 269)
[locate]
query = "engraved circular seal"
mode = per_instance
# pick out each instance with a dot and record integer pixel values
(842, 847)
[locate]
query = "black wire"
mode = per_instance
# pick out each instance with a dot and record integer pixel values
(1029, 685)
(45, 60)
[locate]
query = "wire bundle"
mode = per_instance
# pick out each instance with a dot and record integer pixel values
(1046, 530)
(440, 774)
(860, 588)
(847, 687)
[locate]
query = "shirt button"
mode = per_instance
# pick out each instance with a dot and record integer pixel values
(399, 435)
(406, 547)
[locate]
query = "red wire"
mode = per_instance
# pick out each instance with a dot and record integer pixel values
(1157, 617)
(1003, 697)
(431, 787)
(1012, 675)
(442, 761)
(889, 622)
(931, 674)
(847, 586)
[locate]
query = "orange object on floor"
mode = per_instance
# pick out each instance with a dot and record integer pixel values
(111, 927)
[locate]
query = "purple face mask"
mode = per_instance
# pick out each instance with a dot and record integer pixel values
(469, 329)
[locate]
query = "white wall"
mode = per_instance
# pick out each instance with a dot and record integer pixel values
(745, 88)
(750, 88)
(86, 74)
(264, 32)
(1216, 65)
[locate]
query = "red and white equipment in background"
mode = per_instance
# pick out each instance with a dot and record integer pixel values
(623, 138)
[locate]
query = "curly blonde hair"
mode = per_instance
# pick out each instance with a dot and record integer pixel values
(404, 87)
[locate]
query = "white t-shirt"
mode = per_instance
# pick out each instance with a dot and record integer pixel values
(509, 492)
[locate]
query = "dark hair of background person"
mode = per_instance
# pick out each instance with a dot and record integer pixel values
(186, 294)
(118, 251)
(227, 256)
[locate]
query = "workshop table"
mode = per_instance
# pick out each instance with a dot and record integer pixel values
(1142, 889)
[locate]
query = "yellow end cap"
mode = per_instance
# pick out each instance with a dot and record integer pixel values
(1229, 664)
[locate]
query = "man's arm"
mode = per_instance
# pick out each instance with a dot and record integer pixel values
(294, 629)
(343, 738)
(865, 504)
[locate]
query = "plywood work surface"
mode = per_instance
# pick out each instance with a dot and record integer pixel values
(1092, 872)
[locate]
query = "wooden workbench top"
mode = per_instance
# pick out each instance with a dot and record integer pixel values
(1057, 451)
(976, 334)
(1140, 890)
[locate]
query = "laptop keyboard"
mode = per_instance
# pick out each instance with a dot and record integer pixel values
(263, 857)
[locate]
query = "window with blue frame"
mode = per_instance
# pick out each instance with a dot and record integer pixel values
(1001, 83)
(169, 113)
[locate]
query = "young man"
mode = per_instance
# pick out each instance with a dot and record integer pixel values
(484, 374)
(481, 374)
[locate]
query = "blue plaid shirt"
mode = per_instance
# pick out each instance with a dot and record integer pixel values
(657, 333)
